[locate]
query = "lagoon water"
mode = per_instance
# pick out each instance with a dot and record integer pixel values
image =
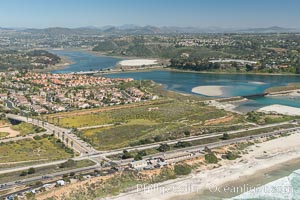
(84, 61)
(238, 84)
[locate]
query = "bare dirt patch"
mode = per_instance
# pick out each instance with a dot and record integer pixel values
(11, 132)
(219, 120)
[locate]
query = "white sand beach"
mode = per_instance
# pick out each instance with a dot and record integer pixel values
(257, 82)
(137, 62)
(260, 157)
(211, 90)
(280, 109)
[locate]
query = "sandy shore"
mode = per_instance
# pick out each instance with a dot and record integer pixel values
(137, 62)
(280, 109)
(211, 90)
(260, 157)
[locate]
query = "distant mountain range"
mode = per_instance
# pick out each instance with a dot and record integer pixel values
(273, 29)
(134, 29)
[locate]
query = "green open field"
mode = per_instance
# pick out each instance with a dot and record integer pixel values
(29, 150)
(3, 135)
(174, 111)
(141, 125)
(26, 128)
(144, 124)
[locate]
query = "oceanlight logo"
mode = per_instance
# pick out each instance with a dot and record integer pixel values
(164, 189)
(194, 188)
(245, 188)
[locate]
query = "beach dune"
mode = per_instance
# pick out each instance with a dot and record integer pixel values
(211, 90)
(280, 109)
(259, 158)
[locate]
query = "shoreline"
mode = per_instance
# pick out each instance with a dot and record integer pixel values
(260, 178)
(65, 63)
(168, 68)
(229, 73)
(260, 157)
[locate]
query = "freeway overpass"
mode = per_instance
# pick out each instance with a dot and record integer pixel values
(65, 135)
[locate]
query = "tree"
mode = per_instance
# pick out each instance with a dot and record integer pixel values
(69, 163)
(142, 153)
(253, 117)
(182, 169)
(126, 155)
(298, 69)
(187, 133)
(24, 173)
(31, 170)
(138, 157)
(37, 137)
(164, 148)
(249, 68)
(211, 158)
(230, 155)
(157, 138)
(72, 174)
(225, 136)
(182, 144)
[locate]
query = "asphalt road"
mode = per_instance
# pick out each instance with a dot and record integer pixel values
(189, 149)
(87, 152)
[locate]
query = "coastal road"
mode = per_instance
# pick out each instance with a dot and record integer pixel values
(83, 147)
(47, 176)
(201, 147)
(197, 148)
(190, 139)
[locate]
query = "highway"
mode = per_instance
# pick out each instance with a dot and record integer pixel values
(87, 152)
(48, 176)
(190, 139)
(197, 148)
(201, 147)
(94, 155)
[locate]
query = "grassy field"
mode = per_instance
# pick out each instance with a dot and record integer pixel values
(26, 128)
(29, 150)
(262, 118)
(3, 135)
(43, 170)
(164, 112)
(146, 124)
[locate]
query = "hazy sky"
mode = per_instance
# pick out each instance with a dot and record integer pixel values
(200, 13)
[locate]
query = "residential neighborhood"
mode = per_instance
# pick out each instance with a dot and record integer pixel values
(40, 93)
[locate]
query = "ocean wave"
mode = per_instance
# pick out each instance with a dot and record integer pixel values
(286, 188)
